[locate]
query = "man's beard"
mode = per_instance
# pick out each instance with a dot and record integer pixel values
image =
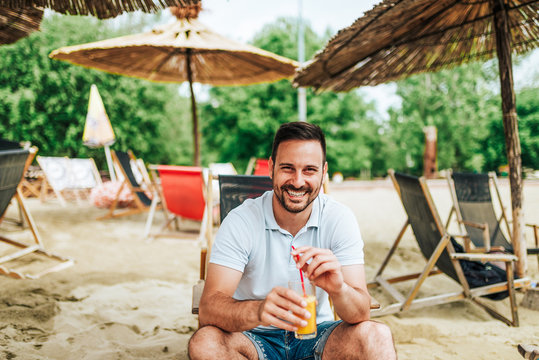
(280, 197)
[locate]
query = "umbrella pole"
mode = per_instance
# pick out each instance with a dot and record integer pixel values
(109, 164)
(510, 125)
(196, 152)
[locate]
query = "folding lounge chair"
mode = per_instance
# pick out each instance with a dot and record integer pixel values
(438, 248)
(12, 165)
(234, 190)
(183, 195)
(24, 184)
(258, 167)
(473, 205)
(122, 162)
(68, 177)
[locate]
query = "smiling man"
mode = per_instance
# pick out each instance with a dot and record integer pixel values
(246, 310)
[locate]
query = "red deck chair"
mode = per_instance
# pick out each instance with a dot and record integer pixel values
(183, 194)
(261, 167)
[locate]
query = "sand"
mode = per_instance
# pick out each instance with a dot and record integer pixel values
(127, 298)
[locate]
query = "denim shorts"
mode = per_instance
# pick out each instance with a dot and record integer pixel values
(277, 344)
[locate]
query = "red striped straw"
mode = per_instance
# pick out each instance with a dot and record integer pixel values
(301, 275)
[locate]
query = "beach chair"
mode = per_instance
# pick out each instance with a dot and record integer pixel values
(12, 166)
(234, 190)
(68, 177)
(258, 167)
(183, 194)
(474, 208)
(128, 169)
(440, 250)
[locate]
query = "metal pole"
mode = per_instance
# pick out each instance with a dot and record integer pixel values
(109, 164)
(302, 94)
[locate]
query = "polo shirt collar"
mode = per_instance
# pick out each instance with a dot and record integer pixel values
(271, 223)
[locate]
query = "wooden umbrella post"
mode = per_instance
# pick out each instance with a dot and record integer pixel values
(510, 125)
(196, 152)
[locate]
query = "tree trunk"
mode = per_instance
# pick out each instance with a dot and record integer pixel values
(510, 125)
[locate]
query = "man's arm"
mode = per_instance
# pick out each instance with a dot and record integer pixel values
(218, 308)
(345, 285)
(353, 302)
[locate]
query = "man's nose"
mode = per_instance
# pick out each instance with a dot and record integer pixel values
(298, 179)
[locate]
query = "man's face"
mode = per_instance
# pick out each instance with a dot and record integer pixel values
(297, 173)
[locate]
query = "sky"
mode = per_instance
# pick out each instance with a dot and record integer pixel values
(242, 19)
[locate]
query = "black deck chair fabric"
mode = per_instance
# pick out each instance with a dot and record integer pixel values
(475, 203)
(422, 221)
(12, 163)
(125, 163)
(9, 145)
(427, 233)
(235, 189)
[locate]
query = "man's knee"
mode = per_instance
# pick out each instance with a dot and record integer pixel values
(204, 341)
(373, 329)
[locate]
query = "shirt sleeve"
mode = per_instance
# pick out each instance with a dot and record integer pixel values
(347, 243)
(231, 247)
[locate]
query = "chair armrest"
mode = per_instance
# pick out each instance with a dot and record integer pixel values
(535, 228)
(375, 305)
(484, 257)
(486, 235)
(197, 294)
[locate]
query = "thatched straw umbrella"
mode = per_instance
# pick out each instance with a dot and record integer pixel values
(18, 23)
(102, 9)
(398, 38)
(185, 50)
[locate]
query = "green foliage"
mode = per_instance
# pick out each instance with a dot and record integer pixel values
(239, 122)
(45, 101)
(457, 102)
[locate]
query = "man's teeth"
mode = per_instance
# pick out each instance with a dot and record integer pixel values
(293, 193)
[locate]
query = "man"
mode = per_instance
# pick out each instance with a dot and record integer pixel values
(246, 310)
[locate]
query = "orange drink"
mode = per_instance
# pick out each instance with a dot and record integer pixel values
(307, 291)
(309, 331)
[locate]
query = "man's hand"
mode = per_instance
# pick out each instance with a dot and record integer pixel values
(324, 268)
(275, 309)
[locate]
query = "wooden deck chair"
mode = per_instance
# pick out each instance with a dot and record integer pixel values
(24, 184)
(123, 164)
(234, 190)
(68, 177)
(439, 249)
(12, 165)
(183, 194)
(474, 208)
(258, 167)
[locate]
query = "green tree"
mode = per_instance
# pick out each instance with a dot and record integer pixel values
(456, 101)
(45, 101)
(239, 122)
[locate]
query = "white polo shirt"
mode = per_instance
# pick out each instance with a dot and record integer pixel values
(249, 240)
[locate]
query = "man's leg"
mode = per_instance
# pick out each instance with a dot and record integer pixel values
(210, 342)
(368, 340)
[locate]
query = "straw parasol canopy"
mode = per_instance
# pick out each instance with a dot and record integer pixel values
(398, 38)
(18, 23)
(185, 50)
(102, 9)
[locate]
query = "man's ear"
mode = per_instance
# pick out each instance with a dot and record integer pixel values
(270, 164)
(325, 169)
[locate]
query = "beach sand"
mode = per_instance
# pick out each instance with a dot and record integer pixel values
(127, 298)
